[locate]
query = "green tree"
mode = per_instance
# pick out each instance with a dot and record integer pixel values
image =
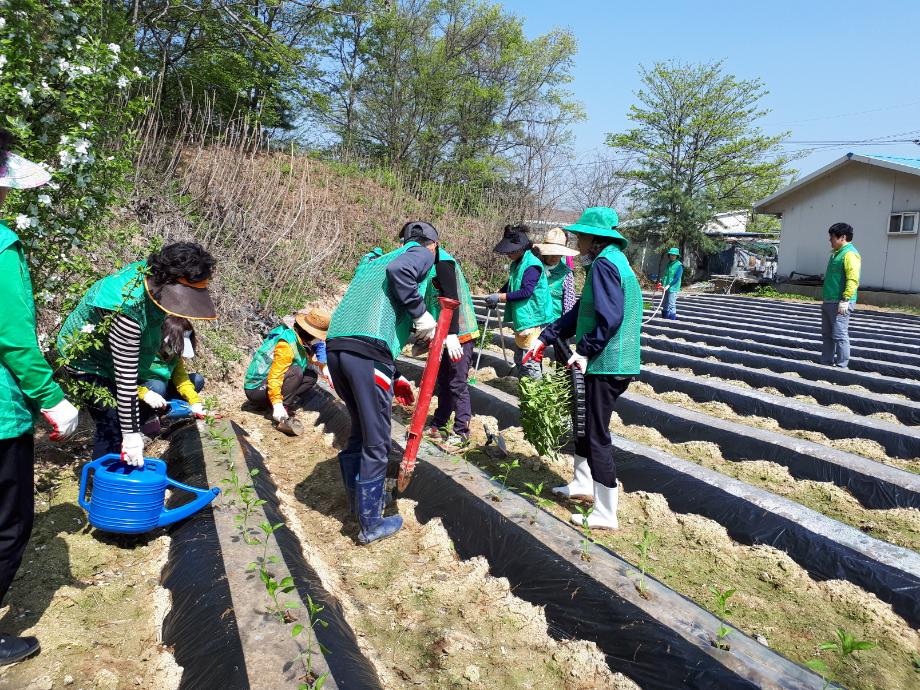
(698, 149)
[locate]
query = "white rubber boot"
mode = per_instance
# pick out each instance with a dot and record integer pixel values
(604, 515)
(581, 486)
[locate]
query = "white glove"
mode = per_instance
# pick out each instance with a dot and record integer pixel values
(279, 412)
(132, 449)
(425, 326)
(63, 418)
(155, 400)
(453, 347)
(843, 308)
(198, 410)
(577, 360)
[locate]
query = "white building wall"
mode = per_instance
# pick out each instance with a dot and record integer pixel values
(863, 196)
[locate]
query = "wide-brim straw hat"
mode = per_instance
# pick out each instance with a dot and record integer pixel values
(315, 322)
(19, 173)
(190, 300)
(555, 244)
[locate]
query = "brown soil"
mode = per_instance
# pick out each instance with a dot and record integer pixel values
(775, 597)
(422, 616)
(93, 600)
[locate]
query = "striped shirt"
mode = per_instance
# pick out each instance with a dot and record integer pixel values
(125, 346)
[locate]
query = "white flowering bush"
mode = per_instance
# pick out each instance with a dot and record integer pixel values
(67, 92)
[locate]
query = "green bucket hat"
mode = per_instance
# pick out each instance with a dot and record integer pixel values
(600, 221)
(674, 251)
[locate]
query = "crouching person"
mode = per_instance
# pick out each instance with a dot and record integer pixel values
(605, 322)
(164, 376)
(370, 327)
(280, 375)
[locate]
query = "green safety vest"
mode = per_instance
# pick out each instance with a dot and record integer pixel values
(468, 323)
(835, 277)
(555, 277)
(621, 355)
(370, 309)
(261, 362)
(672, 269)
(537, 309)
(122, 292)
(15, 412)
(157, 369)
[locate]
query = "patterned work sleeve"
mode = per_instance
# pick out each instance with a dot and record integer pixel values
(125, 345)
(568, 293)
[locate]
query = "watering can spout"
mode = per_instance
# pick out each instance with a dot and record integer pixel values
(204, 497)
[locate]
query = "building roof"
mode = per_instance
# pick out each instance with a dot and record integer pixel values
(910, 166)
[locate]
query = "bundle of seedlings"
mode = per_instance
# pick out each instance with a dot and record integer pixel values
(546, 412)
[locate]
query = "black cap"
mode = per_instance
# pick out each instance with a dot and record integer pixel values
(419, 231)
(515, 239)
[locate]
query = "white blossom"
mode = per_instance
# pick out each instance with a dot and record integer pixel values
(2, 60)
(44, 199)
(87, 328)
(25, 97)
(114, 47)
(2, 22)
(137, 71)
(122, 82)
(23, 222)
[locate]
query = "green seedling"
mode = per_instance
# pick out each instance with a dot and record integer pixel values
(506, 469)
(821, 669)
(546, 411)
(311, 646)
(722, 610)
(534, 492)
(644, 547)
(915, 662)
(585, 531)
(846, 644)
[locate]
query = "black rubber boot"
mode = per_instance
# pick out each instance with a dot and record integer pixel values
(13, 649)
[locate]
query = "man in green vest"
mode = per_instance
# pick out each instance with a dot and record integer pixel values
(26, 387)
(841, 282)
(670, 283)
(384, 302)
(526, 296)
(606, 323)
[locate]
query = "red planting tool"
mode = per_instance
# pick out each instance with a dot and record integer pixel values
(425, 391)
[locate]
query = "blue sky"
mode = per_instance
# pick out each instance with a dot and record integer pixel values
(824, 62)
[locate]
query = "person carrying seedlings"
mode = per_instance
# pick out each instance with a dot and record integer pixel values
(841, 282)
(164, 377)
(446, 279)
(280, 375)
(26, 387)
(122, 315)
(526, 296)
(384, 302)
(606, 323)
(670, 283)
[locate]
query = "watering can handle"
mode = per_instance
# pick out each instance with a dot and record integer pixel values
(204, 497)
(84, 476)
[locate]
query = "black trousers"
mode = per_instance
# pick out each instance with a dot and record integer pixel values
(366, 388)
(17, 504)
(601, 392)
(297, 383)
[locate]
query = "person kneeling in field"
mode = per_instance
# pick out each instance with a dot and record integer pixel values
(280, 374)
(606, 323)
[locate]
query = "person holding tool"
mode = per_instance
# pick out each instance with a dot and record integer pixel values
(446, 279)
(129, 308)
(670, 283)
(279, 375)
(384, 302)
(841, 283)
(526, 295)
(26, 387)
(606, 324)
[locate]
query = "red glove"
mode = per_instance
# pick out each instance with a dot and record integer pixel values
(535, 352)
(402, 391)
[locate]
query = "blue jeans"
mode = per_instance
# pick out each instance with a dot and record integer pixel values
(168, 390)
(669, 308)
(835, 336)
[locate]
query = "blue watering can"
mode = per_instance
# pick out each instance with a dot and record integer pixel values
(130, 500)
(178, 409)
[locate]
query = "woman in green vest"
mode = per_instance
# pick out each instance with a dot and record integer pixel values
(26, 388)
(670, 283)
(559, 274)
(606, 323)
(526, 296)
(280, 374)
(116, 329)
(841, 283)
